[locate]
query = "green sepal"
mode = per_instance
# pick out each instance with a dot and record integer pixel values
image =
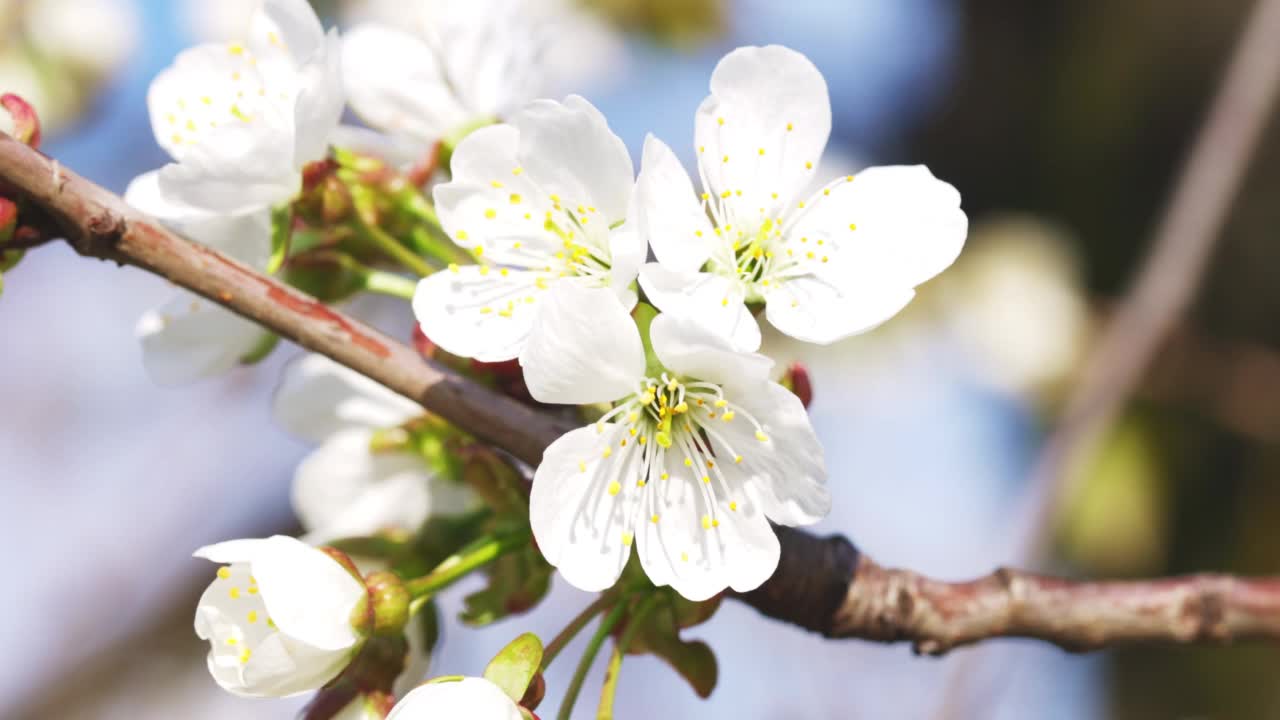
(644, 315)
(515, 666)
(281, 237)
(259, 352)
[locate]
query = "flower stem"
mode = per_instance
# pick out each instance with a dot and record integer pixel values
(393, 249)
(588, 657)
(458, 565)
(634, 623)
(385, 283)
(572, 629)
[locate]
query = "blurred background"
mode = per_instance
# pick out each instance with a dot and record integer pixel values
(1062, 123)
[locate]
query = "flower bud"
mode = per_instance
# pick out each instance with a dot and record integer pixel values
(26, 123)
(798, 381)
(277, 616)
(457, 697)
(390, 602)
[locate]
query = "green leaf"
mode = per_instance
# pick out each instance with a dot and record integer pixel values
(660, 636)
(517, 582)
(281, 237)
(644, 315)
(429, 625)
(515, 666)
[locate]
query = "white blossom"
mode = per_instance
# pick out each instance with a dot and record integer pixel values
(539, 202)
(240, 120)
(425, 69)
(690, 464)
(826, 266)
(277, 616)
(468, 698)
(343, 489)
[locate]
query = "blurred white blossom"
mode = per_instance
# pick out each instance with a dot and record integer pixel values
(467, 697)
(426, 69)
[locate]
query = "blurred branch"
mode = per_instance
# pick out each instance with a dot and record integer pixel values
(1169, 277)
(827, 586)
(822, 584)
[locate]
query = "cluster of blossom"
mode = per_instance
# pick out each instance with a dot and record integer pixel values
(692, 447)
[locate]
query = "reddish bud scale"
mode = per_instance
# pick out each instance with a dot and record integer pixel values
(8, 218)
(799, 382)
(26, 123)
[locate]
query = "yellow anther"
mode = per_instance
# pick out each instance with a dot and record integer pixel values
(235, 49)
(504, 272)
(517, 171)
(244, 656)
(826, 191)
(724, 302)
(706, 522)
(643, 439)
(607, 452)
(790, 127)
(622, 443)
(206, 100)
(683, 407)
(725, 194)
(706, 479)
(540, 283)
(453, 268)
(253, 616)
(614, 487)
(808, 165)
(733, 506)
(737, 459)
(684, 557)
(848, 178)
(853, 226)
(664, 476)
(462, 235)
(253, 590)
(234, 593)
(654, 518)
(715, 523)
(515, 198)
(491, 213)
(762, 151)
(728, 415)
(232, 641)
(627, 538)
(825, 258)
(632, 431)
(496, 184)
(720, 121)
(761, 436)
(224, 572)
(641, 483)
(688, 462)
(721, 402)
(710, 464)
(486, 310)
(484, 270)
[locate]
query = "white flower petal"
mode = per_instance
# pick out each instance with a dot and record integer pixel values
(478, 312)
(282, 666)
(396, 84)
(192, 98)
(287, 26)
(344, 490)
(628, 251)
(583, 348)
(308, 594)
(762, 130)
(787, 469)
(320, 102)
(570, 151)
(237, 170)
(582, 505)
(907, 226)
(701, 538)
(470, 698)
(245, 237)
(689, 349)
(812, 309)
(493, 203)
(666, 213)
(319, 398)
(190, 338)
(713, 301)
